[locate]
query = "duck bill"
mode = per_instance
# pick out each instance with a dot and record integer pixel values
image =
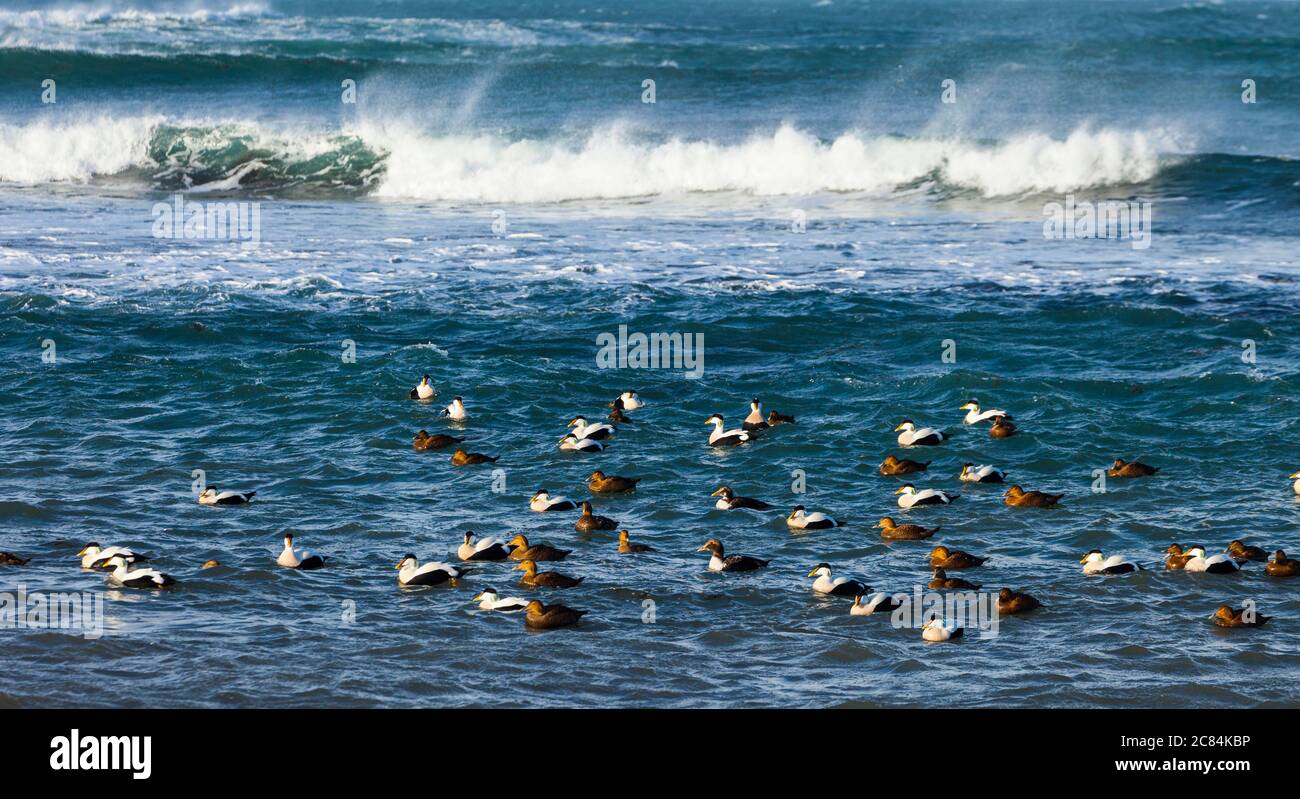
(901, 491)
(717, 493)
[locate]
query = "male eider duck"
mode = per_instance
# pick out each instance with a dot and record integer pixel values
(974, 415)
(1176, 558)
(456, 410)
(1002, 428)
(835, 586)
(462, 458)
(627, 401)
(941, 580)
(522, 550)
(1018, 497)
(755, 421)
(774, 419)
(940, 630)
(596, 431)
(548, 617)
(729, 501)
(909, 435)
(718, 562)
(943, 558)
(10, 559)
(1225, 616)
(93, 557)
(1282, 566)
(532, 577)
(124, 575)
(488, 599)
(542, 502)
(411, 573)
(1214, 564)
(1296, 485)
(424, 442)
(971, 473)
(424, 390)
(879, 602)
(893, 466)
(1130, 469)
(626, 547)
(572, 443)
(1241, 552)
(211, 497)
(488, 548)
(721, 437)
(1096, 563)
(211, 564)
(600, 483)
(298, 559)
(904, 532)
(588, 521)
(1013, 602)
(909, 497)
(801, 519)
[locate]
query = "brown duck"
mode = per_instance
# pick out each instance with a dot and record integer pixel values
(1241, 552)
(1227, 617)
(600, 483)
(1012, 602)
(1282, 566)
(532, 577)
(10, 559)
(1130, 469)
(1176, 559)
(589, 521)
(547, 617)
(1018, 497)
(462, 458)
(904, 532)
(944, 558)
(895, 466)
(626, 547)
(942, 580)
(618, 416)
(1002, 428)
(423, 442)
(774, 419)
(523, 551)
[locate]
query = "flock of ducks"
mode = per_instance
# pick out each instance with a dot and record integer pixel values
(124, 567)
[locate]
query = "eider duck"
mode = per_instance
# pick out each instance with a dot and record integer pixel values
(1296, 485)
(1214, 564)
(981, 474)
(588, 521)
(456, 410)
(1096, 563)
(800, 519)
(974, 415)
(298, 559)
(721, 437)
(548, 617)
(1225, 616)
(483, 549)
(1176, 558)
(1013, 602)
(909, 497)
(10, 559)
(904, 532)
(522, 550)
(211, 497)
(124, 575)
(729, 501)
(424, 442)
(627, 401)
(893, 466)
(941, 580)
(424, 390)
(542, 502)
(1241, 552)
(92, 557)
(626, 547)
(755, 421)
(943, 558)
(940, 630)
(879, 602)
(1002, 428)
(1130, 469)
(718, 562)
(488, 599)
(535, 579)
(617, 416)
(462, 458)
(1282, 566)
(1018, 497)
(909, 435)
(572, 443)
(835, 586)
(600, 483)
(411, 573)
(774, 419)
(211, 564)
(596, 431)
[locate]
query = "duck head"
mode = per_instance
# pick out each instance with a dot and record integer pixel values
(713, 546)
(1093, 556)
(407, 560)
(821, 570)
(1014, 491)
(527, 567)
(715, 420)
(723, 492)
(519, 541)
(973, 405)
(885, 523)
(490, 594)
(907, 425)
(907, 488)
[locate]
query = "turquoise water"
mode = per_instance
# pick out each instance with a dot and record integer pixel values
(377, 228)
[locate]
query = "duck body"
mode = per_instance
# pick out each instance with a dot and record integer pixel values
(910, 497)
(549, 617)
(522, 550)
(1096, 563)
(572, 443)
(1130, 469)
(488, 548)
(755, 421)
(1002, 428)
(488, 599)
(423, 390)
(456, 410)
(542, 502)
(892, 466)
(462, 458)
(975, 416)
(891, 531)
(909, 435)
(941, 581)
(1017, 497)
(944, 558)
(774, 419)
(596, 431)
(982, 474)
(937, 630)
(210, 496)
(589, 522)
(410, 574)
(1241, 552)
(10, 559)
(600, 483)
(1242, 617)
(1199, 563)
(1013, 602)
(800, 519)
(1176, 558)
(626, 547)
(720, 562)
(535, 579)
(627, 401)
(879, 602)
(423, 442)
(835, 586)
(291, 558)
(1282, 566)
(729, 501)
(722, 437)
(93, 557)
(125, 576)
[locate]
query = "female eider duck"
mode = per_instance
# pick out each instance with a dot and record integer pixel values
(1013, 602)
(93, 557)
(893, 466)
(1176, 558)
(1018, 497)
(1241, 552)
(600, 483)
(719, 562)
(909, 497)
(940, 580)
(462, 458)
(1121, 468)
(535, 579)
(904, 532)
(879, 602)
(124, 575)
(626, 547)
(1225, 616)
(974, 415)
(627, 401)
(774, 419)
(1002, 428)
(801, 519)
(572, 443)
(1282, 566)
(943, 558)
(936, 630)
(909, 435)
(211, 497)
(522, 550)
(1096, 563)
(721, 437)
(971, 473)
(456, 410)
(410, 573)
(548, 617)
(618, 417)
(488, 599)
(211, 564)
(596, 431)
(835, 586)
(543, 502)
(589, 522)
(10, 559)
(424, 390)
(298, 559)
(1214, 564)
(424, 442)
(488, 548)
(755, 421)
(729, 501)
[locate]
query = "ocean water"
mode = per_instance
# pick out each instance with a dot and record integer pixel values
(499, 197)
